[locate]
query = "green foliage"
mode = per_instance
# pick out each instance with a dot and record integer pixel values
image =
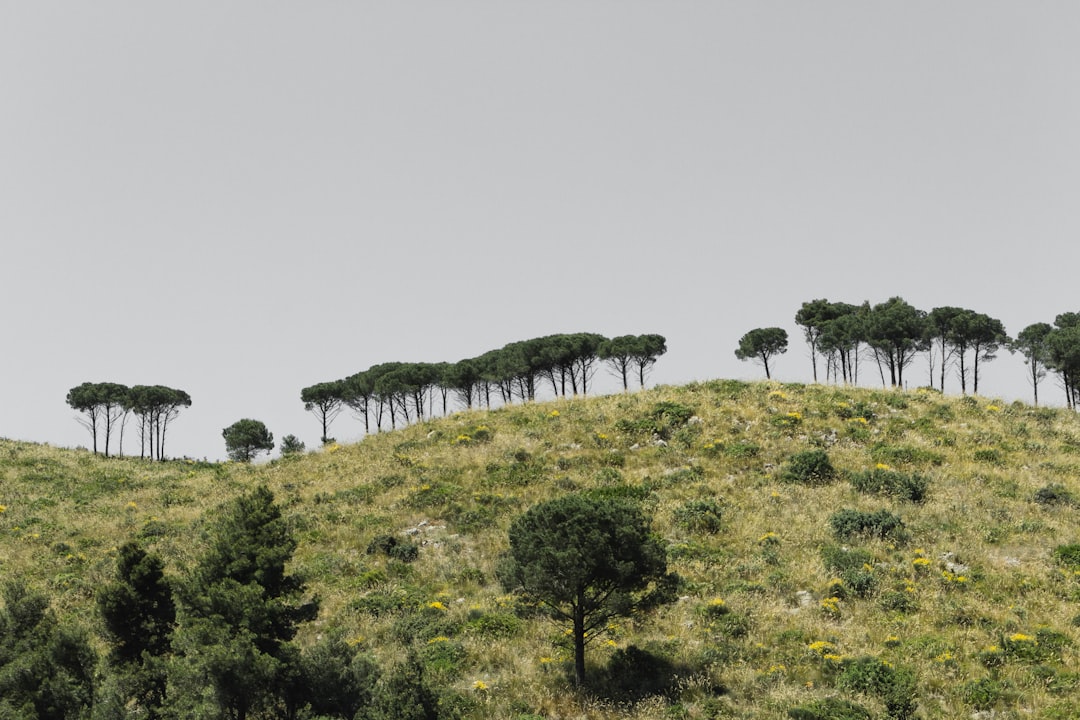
(742, 450)
(138, 614)
(292, 445)
(901, 485)
(330, 680)
(1054, 494)
(761, 344)
(245, 438)
(990, 456)
(240, 609)
(46, 668)
(442, 657)
(896, 687)
(493, 625)
(853, 566)
(830, 709)
(587, 560)
(848, 523)
(988, 693)
(809, 467)
(662, 420)
(406, 694)
(700, 516)
(1068, 555)
(403, 550)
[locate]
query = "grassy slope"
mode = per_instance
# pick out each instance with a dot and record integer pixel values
(65, 511)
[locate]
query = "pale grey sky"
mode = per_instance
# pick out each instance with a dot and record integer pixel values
(241, 199)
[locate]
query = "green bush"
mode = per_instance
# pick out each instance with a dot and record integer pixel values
(1068, 555)
(742, 450)
(881, 481)
(990, 456)
(493, 625)
(383, 603)
(851, 411)
(442, 657)
(987, 693)
(830, 709)
(662, 420)
(402, 550)
(854, 568)
(700, 516)
(810, 467)
(1054, 494)
(895, 686)
(848, 523)
(899, 601)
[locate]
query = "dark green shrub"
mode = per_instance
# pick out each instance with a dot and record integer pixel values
(990, 456)
(830, 709)
(1068, 555)
(987, 693)
(810, 467)
(854, 568)
(851, 411)
(402, 550)
(383, 603)
(493, 625)
(674, 413)
(700, 516)
(873, 676)
(849, 523)
(1054, 494)
(442, 657)
(428, 623)
(881, 481)
(742, 450)
(899, 601)
(662, 420)
(634, 493)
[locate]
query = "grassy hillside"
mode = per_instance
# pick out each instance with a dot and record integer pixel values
(937, 558)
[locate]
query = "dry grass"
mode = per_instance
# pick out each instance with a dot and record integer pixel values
(976, 568)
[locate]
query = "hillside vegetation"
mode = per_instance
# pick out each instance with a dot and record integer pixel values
(843, 552)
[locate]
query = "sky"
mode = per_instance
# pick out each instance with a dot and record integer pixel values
(243, 199)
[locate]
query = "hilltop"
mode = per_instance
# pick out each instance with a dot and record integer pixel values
(933, 564)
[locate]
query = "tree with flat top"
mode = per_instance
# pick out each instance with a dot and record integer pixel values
(761, 344)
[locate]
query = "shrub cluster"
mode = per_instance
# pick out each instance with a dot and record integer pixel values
(873, 676)
(810, 467)
(854, 568)
(700, 516)
(403, 550)
(849, 523)
(886, 481)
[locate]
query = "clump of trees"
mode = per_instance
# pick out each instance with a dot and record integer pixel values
(218, 642)
(894, 333)
(398, 393)
(106, 408)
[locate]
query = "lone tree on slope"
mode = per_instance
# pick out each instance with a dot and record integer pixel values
(245, 438)
(587, 560)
